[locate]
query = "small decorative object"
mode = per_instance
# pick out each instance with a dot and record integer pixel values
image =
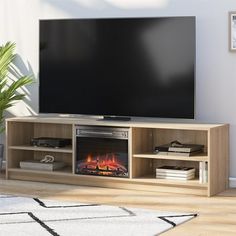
(48, 159)
(232, 31)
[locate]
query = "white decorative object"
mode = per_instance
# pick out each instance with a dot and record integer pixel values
(232, 31)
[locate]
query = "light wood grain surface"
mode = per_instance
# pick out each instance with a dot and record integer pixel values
(143, 138)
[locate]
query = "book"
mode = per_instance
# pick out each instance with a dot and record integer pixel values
(175, 169)
(186, 154)
(200, 172)
(175, 177)
(186, 148)
(203, 172)
(37, 165)
(205, 175)
(161, 153)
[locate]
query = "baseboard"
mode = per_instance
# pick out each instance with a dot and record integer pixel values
(232, 182)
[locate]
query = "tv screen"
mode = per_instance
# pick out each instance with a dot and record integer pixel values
(141, 67)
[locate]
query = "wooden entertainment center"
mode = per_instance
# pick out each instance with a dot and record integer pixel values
(142, 139)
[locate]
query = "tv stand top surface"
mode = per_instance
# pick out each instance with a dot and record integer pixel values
(142, 123)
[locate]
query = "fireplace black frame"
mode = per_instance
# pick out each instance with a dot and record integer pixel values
(102, 151)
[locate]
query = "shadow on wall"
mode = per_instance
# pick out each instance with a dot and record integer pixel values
(19, 68)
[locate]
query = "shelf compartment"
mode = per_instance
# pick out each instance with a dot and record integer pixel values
(199, 157)
(21, 133)
(146, 164)
(42, 149)
(146, 139)
(18, 155)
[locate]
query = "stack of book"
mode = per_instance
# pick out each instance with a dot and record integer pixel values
(175, 172)
(179, 150)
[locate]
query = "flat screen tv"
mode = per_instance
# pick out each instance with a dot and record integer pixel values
(131, 67)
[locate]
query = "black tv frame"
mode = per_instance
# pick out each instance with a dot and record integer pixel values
(123, 116)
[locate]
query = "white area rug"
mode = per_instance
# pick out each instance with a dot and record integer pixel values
(39, 217)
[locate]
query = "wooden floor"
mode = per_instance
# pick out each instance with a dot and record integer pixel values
(217, 215)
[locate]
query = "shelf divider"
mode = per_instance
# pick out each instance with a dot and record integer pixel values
(199, 157)
(43, 149)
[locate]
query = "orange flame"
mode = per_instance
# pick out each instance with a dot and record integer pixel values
(89, 158)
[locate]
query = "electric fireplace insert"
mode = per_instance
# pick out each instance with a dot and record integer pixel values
(102, 151)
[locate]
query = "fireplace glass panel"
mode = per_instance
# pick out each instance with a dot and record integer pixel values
(102, 157)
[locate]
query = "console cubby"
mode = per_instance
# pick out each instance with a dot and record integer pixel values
(150, 165)
(146, 139)
(143, 138)
(145, 160)
(25, 131)
(19, 148)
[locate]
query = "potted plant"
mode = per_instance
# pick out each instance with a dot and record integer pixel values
(8, 87)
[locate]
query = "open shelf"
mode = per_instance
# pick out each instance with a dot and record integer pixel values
(199, 157)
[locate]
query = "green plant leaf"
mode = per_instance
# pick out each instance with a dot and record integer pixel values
(9, 88)
(6, 57)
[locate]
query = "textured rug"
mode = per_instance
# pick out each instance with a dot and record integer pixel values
(39, 217)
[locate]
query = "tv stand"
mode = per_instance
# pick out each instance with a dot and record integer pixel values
(143, 137)
(116, 118)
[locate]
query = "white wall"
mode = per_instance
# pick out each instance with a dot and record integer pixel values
(216, 66)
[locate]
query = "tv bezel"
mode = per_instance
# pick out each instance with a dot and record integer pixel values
(114, 117)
